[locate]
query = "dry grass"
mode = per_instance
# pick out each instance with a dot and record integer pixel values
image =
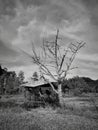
(71, 117)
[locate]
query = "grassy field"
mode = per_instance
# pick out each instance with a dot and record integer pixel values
(79, 113)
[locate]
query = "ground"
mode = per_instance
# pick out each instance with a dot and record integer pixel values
(79, 113)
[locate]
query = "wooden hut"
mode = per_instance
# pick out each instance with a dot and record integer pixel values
(40, 92)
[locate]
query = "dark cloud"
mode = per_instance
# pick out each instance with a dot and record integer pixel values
(58, 11)
(48, 10)
(53, 9)
(92, 8)
(7, 7)
(34, 2)
(90, 3)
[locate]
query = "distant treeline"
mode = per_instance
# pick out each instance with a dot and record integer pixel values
(79, 85)
(10, 83)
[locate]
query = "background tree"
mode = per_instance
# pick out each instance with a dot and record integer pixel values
(3, 73)
(21, 77)
(55, 61)
(35, 76)
(1, 70)
(8, 82)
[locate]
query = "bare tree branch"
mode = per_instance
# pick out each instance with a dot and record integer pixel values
(53, 56)
(48, 82)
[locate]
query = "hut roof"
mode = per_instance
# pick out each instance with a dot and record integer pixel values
(40, 83)
(34, 84)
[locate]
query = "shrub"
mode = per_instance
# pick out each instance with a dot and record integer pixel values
(8, 104)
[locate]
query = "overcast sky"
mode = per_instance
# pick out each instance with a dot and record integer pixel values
(24, 21)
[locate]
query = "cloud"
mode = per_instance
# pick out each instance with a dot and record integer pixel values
(88, 73)
(27, 35)
(24, 21)
(34, 2)
(7, 7)
(86, 69)
(92, 9)
(7, 54)
(6, 50)
(88, 57)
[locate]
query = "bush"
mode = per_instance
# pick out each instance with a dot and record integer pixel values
(76, 86)
(8, 104)
(29, 105)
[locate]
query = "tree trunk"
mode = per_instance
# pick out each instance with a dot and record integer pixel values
(60, 95)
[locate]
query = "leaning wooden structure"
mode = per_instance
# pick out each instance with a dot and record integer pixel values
(40, 93)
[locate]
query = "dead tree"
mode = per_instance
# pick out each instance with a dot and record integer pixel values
(55, 61)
